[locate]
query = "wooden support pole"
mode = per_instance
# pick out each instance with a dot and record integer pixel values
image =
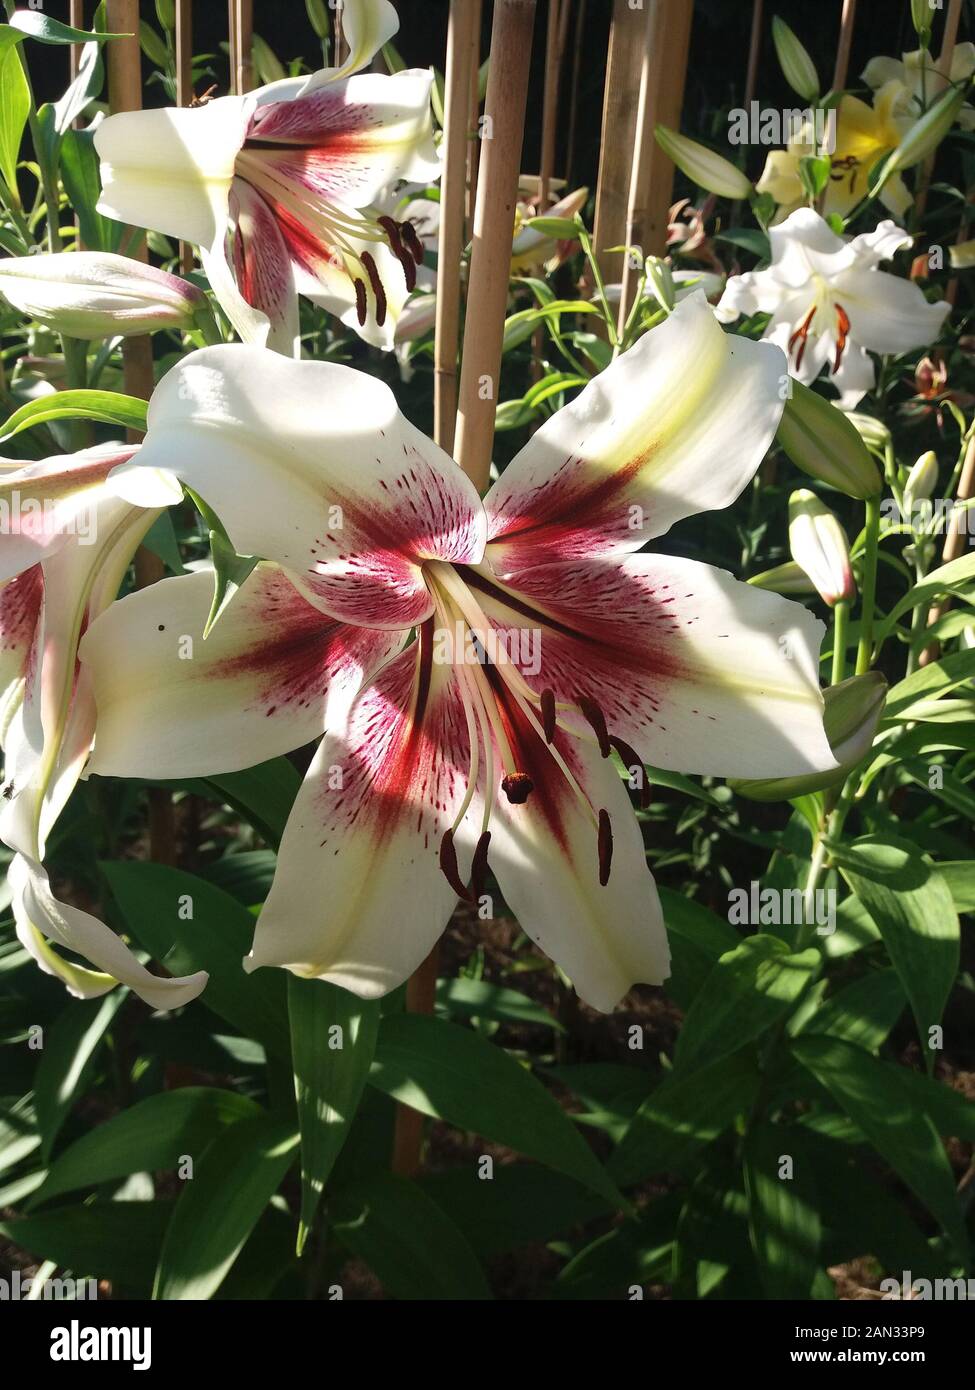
(241, 14)
(550, 104)
(474, 135)
(453, 185)
(668, 78)
(621, 99)
(643, 147)
(842, 67)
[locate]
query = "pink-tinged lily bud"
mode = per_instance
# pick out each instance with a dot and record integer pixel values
(819, 546)
(926, 135)
(798, 68)
(851, 713)
(820, 440)
(789, 578)
(94, 294)
(707, 169)
(921, 481)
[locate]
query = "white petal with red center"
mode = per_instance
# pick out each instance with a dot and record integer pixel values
(888, 314)
(41, 919)
(20, 611)
(271, 674)
(676, 425)
(312, 465)
(359, 897)
(696, 671)
(44, 505)
(545, 856)
(262, 267)
(345, 141)
(171, 169)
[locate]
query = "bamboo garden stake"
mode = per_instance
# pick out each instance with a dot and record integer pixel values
(842, 68)
(457, 82)
(621, 99)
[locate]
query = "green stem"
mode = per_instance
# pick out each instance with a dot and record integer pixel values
(869, 584)
(841, 618)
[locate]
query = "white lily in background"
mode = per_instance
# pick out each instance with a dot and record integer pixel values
(914, 80)
(94, 294)
(67, 542)
(831, 305)
(543, 643)
(533, 251)
(276, 187)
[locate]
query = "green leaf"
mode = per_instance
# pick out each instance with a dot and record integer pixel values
(747, 991)
(79, 174)
(235, 1178)
(876, 1101)
(480, 999)
(263, 795)
(102, 1240)
(333, 1039)
(929, 682)
(783, 1210)
(38, 25)
(960, 878)
(698, 937)
(66, 1061)
(407, 1240)
(912, 907)
(637, 1252)
(750, 239)
(230, 572)
(814, 173)
(942, 580)
(453, 1074)
(682, 1114)
(14, 107)
(82, 91)
(192, 925)
(129, 412)
(150, 1136)
(863, 1013)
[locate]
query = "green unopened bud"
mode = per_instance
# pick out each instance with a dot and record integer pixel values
(921, 481)
(789, 578)
(660, 282)
(819, 546)
(851, 713)
(798, 68)
(95, 294)
(820, 441)
(873, 432)
(925, 135)
(922, 14)
(962, 255)
(317, 11)
(166, 14)
(708, 170)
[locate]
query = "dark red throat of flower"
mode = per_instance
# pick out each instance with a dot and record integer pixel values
(517, 787)
(842, 336)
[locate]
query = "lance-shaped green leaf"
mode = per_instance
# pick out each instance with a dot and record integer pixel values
(912, 907)
(333, 1038)
(954, 575)
(119, 1241)
(66, 1061)
(912, 697)
(234, 1180)
(128, 412)
(852, 710)
(783, 1209)
(887, 1113)
(14, 106)
(38, 25)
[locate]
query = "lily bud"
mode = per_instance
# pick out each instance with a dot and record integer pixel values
(851, 713)
(819, 546)
(789, 578)
(873, 432)
(660, 282)
(798, 68)
(962, 255)
(707, 169)
(926, 134)
(922, 15)
(820, 440)
(94, 294)
(921, 481)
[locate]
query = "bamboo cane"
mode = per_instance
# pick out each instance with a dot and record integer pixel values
(242, 45)
(125, 94)
(621, 98)
(644, 144)
(474, 143)
(954, 547)
(670, 74)
(494, 218)
(550, 105)
(754, 52)
(842, 68)
(570, 148)
(457, 85)
(940, 79)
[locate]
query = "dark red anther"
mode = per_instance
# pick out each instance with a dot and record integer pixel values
(800, 336)
(843, 333)
(547, 702)
(391, 228)
(377, 287)
(479, 866)
(449, 869)
(605, 846)
(412, 241)
(360, 301)
(517, 787)
(405, 258)
(631, 762)
(596, 718)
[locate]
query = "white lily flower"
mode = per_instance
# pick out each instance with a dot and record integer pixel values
(276, 187)
(831, 305)
(543, 642)
(94, 294)
(915, 79)
(67, 543)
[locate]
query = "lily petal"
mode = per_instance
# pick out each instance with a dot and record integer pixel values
(270, 676)
(41, 919)
(311, 465)
(696, 671)
(20, 610)
(676, 425)
(359, 898)
(263, 268)
(888, 314)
